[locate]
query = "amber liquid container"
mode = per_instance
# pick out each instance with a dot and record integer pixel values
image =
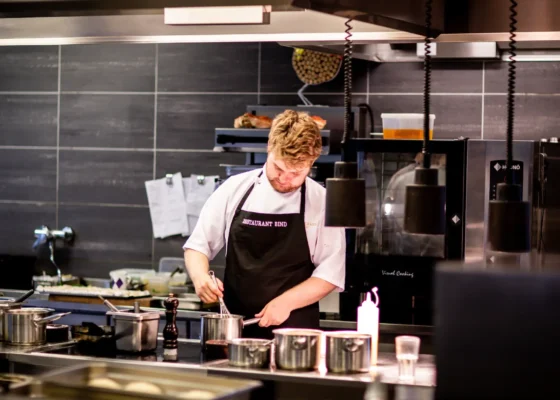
(170, 331)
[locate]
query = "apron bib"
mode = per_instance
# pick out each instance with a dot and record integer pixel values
(267, 254)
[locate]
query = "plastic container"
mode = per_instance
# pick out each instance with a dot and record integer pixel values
(157, 284)
(368, 322)
(405, 126)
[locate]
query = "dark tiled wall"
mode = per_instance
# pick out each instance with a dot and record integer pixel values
(84, 126)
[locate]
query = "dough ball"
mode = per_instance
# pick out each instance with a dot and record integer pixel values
(105, 383)
(144, 387)
(197, 395)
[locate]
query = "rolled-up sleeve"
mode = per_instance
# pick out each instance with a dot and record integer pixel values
(208, 236)
(330, 255)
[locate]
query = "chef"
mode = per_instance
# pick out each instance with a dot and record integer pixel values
(280, 258)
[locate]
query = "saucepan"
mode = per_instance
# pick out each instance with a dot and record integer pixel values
(218, 329)
(28, 326)
(9, 304)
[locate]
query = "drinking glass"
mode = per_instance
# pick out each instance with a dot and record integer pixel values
(407, 349)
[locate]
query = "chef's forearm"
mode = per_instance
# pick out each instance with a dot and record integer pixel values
(197, 264)
(308, 292)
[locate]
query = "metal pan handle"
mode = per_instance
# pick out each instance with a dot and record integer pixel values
(251, 321)
(50, 318)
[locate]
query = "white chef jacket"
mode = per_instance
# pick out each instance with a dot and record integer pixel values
(327, 245)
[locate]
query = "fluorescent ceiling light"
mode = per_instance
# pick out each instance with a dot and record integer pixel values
(217, 15)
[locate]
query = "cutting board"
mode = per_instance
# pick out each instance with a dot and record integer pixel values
(143, 302)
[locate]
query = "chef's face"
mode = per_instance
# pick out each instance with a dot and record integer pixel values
(284, 178)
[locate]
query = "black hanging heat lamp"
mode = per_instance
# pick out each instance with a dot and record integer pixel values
(346, 192)
(424, 208)
(509, 216)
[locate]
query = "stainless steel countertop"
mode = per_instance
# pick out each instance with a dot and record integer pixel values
(386, 371)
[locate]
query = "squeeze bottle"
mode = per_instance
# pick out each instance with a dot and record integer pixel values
(368, 322)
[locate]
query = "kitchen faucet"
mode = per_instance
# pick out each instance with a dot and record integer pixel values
(45, 235)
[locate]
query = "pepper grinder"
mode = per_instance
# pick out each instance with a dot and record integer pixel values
(170, 332)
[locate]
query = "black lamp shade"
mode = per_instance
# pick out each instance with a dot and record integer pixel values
(424, 208)
(346, 197)
(508, 221)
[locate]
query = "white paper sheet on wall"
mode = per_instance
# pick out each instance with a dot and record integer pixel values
(168, 207)
(197, 191)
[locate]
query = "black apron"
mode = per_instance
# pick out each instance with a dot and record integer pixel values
(267, 254)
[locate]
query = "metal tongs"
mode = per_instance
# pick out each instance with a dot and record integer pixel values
(223, 308)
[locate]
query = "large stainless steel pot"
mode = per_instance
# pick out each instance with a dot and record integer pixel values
(28, 326)
(297, 349)
(6, 305)
(222, 327)
(251, 353)
(348, 352)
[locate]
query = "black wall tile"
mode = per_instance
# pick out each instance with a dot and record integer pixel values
(208, 67)
(408, 77)
(107, 120)
(531, 77)
(278, 75)
(536, 117)
(18, 223)
(92, 268)
(28, 120)
(108, 233)
(173, 247)
(188, 121)
(196, 163)
(455, 115)
(29, 68)
(109, 67)
(28, 175)
(318, 99)
(104, 176)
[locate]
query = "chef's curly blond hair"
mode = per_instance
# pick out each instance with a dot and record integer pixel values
(295, 138)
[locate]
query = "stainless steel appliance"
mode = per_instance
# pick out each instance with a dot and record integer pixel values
(382, 254)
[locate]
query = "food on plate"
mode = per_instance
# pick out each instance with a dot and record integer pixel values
(249, 120)
(319, 121)
(104, 383)
(144, 387)
(197, 395)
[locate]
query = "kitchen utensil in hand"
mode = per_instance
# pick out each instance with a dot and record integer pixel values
(223, 308)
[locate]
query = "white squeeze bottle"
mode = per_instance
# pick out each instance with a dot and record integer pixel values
(368, 322)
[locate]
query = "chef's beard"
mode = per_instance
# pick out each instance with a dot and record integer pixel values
(276, 185)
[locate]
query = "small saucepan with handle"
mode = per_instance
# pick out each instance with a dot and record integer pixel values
(28, 326)
(217, 329)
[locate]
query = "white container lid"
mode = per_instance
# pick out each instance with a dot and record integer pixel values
(406, 116)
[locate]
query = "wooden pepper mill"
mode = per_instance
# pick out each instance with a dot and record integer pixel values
(170, 332)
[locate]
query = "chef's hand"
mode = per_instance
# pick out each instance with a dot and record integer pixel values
(274, 313)
(206, 289)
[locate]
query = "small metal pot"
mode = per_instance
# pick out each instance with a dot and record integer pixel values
(297, 349)
(136, 331)
(249, 353)
(6, 305)
(222, 327)
(348, 352)
(28, 326)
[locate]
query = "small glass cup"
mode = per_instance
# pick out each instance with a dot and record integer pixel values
(407, 349)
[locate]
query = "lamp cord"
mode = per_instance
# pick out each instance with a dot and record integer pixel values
(427, 85)
(511, 92)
